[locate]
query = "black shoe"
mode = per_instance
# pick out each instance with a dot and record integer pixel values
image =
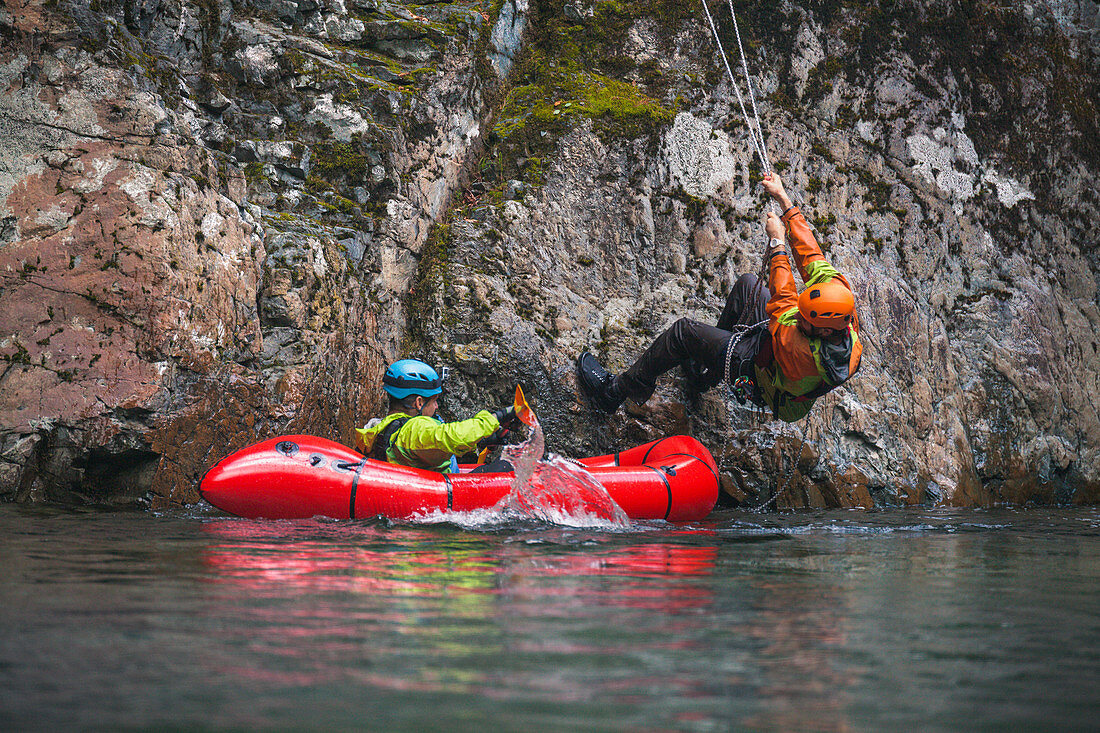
(597, 384)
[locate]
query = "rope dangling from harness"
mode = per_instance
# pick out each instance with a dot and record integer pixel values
(739, 332)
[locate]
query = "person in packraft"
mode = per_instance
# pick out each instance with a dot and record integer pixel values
(411, 434)
(775, 347)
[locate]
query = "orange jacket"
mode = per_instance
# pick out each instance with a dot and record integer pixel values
(801, 368)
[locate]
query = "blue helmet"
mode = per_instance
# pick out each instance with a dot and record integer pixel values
(411, 376)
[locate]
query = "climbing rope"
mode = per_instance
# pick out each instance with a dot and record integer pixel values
(756, 135)
(748, 85)
(740, 330)
(739, 387)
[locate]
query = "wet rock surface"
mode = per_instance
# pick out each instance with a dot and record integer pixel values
(218, 223)
(212, 214)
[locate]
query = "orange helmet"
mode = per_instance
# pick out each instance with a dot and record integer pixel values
(827, 305)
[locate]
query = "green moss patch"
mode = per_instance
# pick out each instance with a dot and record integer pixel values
(339, 160)
(562, 94)
(430, 273)
(575, 70)
(535, 115)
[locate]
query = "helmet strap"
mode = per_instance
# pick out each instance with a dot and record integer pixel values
(804, 325)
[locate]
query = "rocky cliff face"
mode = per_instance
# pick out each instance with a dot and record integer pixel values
(220, 221)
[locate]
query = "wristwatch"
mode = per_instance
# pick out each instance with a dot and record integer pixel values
(775, 248)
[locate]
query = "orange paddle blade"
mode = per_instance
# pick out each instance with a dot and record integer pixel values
(523, 410)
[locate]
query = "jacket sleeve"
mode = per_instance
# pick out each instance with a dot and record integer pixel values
(804, 247)
(781, 283)
(422, 433)
(812, 265)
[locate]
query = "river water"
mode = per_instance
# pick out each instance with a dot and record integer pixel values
(812, 621)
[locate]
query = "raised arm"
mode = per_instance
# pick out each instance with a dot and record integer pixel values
(804, 247)
(780, 279)
(812, 266)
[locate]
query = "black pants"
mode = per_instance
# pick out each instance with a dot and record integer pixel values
(688, 340)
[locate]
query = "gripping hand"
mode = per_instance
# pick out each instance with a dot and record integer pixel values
(507, 417)
(500, 436)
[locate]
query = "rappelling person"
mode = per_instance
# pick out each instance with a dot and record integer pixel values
(412, 435)
(774, 347)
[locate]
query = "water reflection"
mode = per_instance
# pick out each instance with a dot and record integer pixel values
(819, 622)
(287, 559)
(801, 627)
(425, 609)
(431, 609)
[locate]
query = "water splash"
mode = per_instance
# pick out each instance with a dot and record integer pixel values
(556, 490)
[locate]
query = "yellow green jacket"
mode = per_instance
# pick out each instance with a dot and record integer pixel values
(424, 442)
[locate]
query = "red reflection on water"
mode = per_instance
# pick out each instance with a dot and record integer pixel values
(317, 599)
(277, 570)
(309, 557)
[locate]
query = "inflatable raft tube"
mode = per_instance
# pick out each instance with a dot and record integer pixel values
(300, 476)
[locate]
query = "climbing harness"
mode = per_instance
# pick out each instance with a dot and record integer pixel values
(741, 389)
(739, 332)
